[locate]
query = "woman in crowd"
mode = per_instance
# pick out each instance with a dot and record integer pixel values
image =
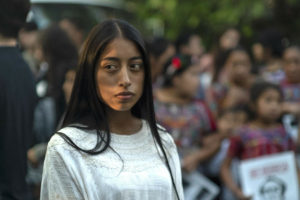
(232, 81)
(110, 146)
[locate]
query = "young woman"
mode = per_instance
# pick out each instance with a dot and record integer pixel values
(232, 81)
(110, 146)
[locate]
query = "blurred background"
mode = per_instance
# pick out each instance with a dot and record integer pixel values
(230, 44)
(168, 18)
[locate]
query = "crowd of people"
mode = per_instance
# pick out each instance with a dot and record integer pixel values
(221, 104)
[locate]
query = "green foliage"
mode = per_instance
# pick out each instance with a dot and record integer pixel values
(209, 17)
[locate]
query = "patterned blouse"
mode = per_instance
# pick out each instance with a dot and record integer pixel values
(186, 123)
(255, 142)
(291, 92)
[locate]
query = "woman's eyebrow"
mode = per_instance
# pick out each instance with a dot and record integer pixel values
(136, 58)
(111, 58)
(118, 59)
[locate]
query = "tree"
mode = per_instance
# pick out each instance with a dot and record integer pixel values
(211, 17)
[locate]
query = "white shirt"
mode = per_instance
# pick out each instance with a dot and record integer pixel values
(137, 172)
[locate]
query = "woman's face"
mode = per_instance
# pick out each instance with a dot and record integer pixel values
(120, 75)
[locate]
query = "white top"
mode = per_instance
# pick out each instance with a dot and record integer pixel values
(138, 172)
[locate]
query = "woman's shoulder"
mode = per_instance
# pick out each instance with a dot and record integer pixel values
(79, 136)
(165, 137)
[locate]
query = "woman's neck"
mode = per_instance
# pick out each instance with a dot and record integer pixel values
(123, 122)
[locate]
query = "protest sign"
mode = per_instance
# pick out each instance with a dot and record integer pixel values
(272, 177)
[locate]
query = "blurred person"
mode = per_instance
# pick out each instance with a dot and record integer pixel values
(228, 122)
(257, 51)
(74, 27)
(264, 135)
(190, 43)
(186, 118)
(206, 68)
(273, 46)
(229, 39)
(27, 38)
(160, 50)
(291, 91)
(56, 53)
(36, 154)
(232, 84)
(17, 103)
(110, 146)
(68, 84)
(291, 84)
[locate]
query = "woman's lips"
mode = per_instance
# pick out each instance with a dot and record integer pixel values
(125, 95)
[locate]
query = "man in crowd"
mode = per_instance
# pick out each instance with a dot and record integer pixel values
(17, 102)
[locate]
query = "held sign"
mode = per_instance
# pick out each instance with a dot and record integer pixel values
(271, 177)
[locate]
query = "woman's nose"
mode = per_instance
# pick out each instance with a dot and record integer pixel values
(124, 77)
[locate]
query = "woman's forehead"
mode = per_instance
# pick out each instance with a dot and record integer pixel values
(121, 47)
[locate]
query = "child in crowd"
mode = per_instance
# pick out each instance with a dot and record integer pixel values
(291, 88)
(272, 43)
(186, 118)
(264, 135)
(229, 120)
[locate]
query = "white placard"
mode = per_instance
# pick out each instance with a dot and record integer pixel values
(272, 177)
(198, 187)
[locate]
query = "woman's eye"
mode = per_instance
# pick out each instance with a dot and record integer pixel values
(136, 67)
(110, 67)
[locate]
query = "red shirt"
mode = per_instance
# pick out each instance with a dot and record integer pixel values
(256, 142)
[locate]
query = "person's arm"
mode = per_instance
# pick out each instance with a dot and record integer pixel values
(292, 108)
(228, 180)
(37, 153)
(58, 182)
(191, 161)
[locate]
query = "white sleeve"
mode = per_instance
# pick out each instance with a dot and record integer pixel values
(57, 181)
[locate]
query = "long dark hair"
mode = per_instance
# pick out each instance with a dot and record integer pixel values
(85, 106)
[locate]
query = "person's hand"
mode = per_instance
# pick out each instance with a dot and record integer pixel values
(235, 95)
(292, 108)
(212, 139)
(190, 162)
(245, 198)
(32, 158)
(241, 196)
